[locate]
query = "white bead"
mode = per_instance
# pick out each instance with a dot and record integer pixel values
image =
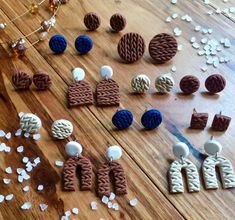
(43, 35)
(140, 83)
(78, 74)
(61, 129)
(180, 149)
(164, 83)
(106, 72)
(2, 26)
(212, 147)
(30, 123)
(114, 153)
(73, 148)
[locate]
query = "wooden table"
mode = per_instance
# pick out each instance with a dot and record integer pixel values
(146, 154)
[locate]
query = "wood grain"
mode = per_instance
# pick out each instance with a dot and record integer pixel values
(147, 154)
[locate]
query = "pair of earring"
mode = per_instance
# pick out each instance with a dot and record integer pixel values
(212, 148)
(199, 121)
(22, 80)
(123, 119)
(113, 153)
(92, 21)
(58, 44)
(80, 92)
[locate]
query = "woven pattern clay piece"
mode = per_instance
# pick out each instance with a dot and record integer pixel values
(30, 123)
(131, 47)
(92, 21)
(163, 48)
(215, 83)
(199, 120)
(117, 22)
(140, 83)
(21, 80)
(120, 184)
(80, 93)
(122, 119)
(164, 83)
(61, 129)
(107, 93)
(220, 122)
(189, 84)
(70, 168)
(83, 44)
(41, 80)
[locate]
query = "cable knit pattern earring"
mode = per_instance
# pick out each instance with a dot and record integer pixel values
(120, 185)
(74, 150)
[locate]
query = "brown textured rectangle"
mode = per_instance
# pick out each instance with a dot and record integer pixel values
(220, 122)
(199, 120)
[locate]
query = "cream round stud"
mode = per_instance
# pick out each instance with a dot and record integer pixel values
(140, 83)
(180, 149)
(164, 83)
(106, 72)
(30, 123)
(114, 153)
(212, 147)
(78, 74)
(61, 129)
(73, 148)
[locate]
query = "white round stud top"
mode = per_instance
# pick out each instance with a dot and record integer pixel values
(114, 152)
(30, 122)
(212, 147)
(78, 74)
(180, 149)
(73, 148)
(106, 72)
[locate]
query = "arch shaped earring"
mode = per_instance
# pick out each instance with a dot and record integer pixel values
(181, 151)
(113, 153)
(74, 150)
(213, 147)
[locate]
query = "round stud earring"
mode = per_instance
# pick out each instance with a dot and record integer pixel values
(83, 44)
(215, 83)
(122, 119)
(92, 21)
(30, 123)
(189, 84)
(140, 83)
(151, 119)
(42, 80)
(164, 83)
(21, 80)
(58, 44)
(117, 22)
(61, 129)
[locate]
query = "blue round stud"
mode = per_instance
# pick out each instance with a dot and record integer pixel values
(122, 119)
(151, 119)
(58, 43)
(83, 44)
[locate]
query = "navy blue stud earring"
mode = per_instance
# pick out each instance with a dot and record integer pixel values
(58, 43)
(122, 119)
(151, 119)
(83, 44)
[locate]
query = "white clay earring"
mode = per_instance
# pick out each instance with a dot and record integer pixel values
(61, 129)
(30, 123)
(164, 83)
(181, 151)
(140, 83)
(213, 147)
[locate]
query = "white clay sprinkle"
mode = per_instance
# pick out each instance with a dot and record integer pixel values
(59, 163)
(26, 188)
(19, 170)
(20, 149)
(64, 218)
(20, 179)
(112, 196)
(2, 133)
(8, 170)
(193, 39)
(43, 207)
(75, 211)
(173, 68)
(115, 206)
(94, 205)
(40, 187)
(133, 202)
(7, 149)
(105, 199)
(1, 198)
(68, 213)
(168, 19)
(6, 181)
(26, 135)
(180, 47)
(25, 159)
(36, 137)
(2, 146)
(110, 205)
(9, 197)
(18, 132)
(26, 206)
(173, 2)
(174, 16)
(8, 135)
(177, 31)
(197, 28)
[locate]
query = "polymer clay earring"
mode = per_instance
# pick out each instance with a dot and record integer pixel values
(30, 123)
(83, 44)
(61, 129)
(189, 84)
(79, 92)
(58, 44)
(41, 80)
(181, 151)
(120, 186)
(74, 150)
(107, 90)
(213, 147)
(21, 80)
(220, 122)
(122, 119)
(164, 83)
(117, 22)
(151, 119)
(215, 83)
(198, 120)
(92, 21)
(140, 83)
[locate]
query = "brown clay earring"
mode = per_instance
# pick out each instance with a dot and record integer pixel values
(41, 80)
(198, 120)
(21, 80)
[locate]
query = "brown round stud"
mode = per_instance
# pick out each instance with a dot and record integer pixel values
(215, 83)
(21, 80)
(163, 48)
(189, 84)
(117, 22)
(92, 21)
(131, 47)
(41, 80)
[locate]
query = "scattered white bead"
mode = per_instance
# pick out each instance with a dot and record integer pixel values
(177, 32)
(18, 132)
(2, 133)
(20, 149)
(8, 170)
(180, 47)
(106, 72)
(105, 200)
(26, 188)
(173, 68)
(73, 148)
(94, 205)
(75, 211)
(59, 163)
(168, 19)
(8, 135)
(9, 197)
(68, 213)
(26, 135)
(201, 52)
(204, 40)
(26, 206)
(204, 69)
(197, 28)
(115, 206)
(112, 196)
(20, 179)
(78, 74)
(210, 31)
(133, 202)
(40, 187)
(6, 181)
(7, 149)
(110, 205)
(196, 45)
(204, 31)
(43, 207)
(36, 137)
(2, 198)
(25, 159)
(180, 149)
(174, 15)
(193, 39)
(114, 152)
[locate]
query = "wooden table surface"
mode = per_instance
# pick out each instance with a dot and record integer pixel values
(146, 154)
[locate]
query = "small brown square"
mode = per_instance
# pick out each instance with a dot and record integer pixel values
(220, 122)
(199, 120)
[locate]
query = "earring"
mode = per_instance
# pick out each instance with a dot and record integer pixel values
(151, 119)
(61, 129)
(181, 151)
(74, 150)
(122, 119)
(21, 80)
(215, 83)
(79, 92)
(164, 83)
(83, 44)
(220, 122)
(212, 148)
(58, 44)
(198, 120)
(42, 80)
(107, 90)
(117, 22)
(140, 83)
(189, 84)
(30, 123)
(113, 153)
(92, 21)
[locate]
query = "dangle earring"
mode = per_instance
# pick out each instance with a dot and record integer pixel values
(181, 151)
(213, 147)
(74, 150)
(113, 153)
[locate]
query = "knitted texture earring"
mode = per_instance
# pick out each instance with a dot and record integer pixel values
(151, 119)
(58, 43)
(21, 80)
(61, 129)
(122, 119)
(42, 80)
(83, 44)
